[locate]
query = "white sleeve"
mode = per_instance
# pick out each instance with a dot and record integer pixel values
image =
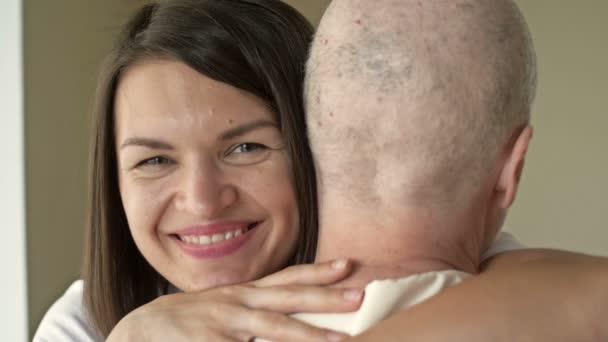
(504, 242)
(65, 320)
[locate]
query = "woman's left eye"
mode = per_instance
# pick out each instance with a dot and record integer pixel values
(247, 147)
(247, 154)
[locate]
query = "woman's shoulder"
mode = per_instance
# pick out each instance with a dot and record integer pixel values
(66, 319)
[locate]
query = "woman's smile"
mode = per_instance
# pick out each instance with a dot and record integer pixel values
(214, 240)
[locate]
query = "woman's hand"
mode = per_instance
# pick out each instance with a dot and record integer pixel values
(242, 312)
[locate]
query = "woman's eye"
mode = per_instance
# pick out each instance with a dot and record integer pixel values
(154, 161)
(247, 147)
(247, 154)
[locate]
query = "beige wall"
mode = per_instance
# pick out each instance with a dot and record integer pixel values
(561, 203)
(312, 9)
(564, 194)
(64, 41)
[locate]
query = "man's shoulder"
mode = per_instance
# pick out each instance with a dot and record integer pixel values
(66, 319)
(504, 242)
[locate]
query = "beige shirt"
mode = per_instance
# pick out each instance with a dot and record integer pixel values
(384, 298)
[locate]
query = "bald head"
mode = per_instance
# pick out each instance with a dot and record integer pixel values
(411, 101)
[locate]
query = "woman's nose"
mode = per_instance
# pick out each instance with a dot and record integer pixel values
(205, 192)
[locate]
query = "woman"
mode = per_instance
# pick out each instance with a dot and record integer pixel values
(201, 178)
(201, 173)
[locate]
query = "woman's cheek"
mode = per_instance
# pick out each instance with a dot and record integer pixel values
(142, 204)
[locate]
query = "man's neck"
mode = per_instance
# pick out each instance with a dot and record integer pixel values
(407, 243)
(363, 274)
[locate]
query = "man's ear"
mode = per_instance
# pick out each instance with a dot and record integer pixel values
(508, 181)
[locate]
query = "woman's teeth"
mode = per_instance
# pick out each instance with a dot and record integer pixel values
(212, 239)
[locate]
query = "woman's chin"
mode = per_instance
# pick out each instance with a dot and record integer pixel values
(211, 280)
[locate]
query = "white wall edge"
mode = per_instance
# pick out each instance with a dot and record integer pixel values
(13, 286)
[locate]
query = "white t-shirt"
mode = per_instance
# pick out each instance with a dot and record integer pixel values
(65, 321)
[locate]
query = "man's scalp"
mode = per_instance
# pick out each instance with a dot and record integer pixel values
(434, 87)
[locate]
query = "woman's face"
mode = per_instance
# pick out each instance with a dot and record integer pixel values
(204, 177)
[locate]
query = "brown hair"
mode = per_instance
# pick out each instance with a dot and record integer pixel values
(259, 46)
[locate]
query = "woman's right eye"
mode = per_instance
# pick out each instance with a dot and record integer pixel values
(153, 162)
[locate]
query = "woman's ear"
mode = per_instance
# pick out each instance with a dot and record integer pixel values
(508, 181)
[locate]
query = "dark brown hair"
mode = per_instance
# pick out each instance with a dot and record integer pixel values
(259, 46)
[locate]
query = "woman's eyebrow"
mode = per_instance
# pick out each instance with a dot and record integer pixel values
(146, 142)
(246, 128)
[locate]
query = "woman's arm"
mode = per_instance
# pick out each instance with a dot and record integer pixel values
(244, 311)
(527, 295)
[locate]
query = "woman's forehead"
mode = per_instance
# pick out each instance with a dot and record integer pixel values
(171, 94)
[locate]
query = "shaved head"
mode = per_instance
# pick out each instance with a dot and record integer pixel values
(414, 101)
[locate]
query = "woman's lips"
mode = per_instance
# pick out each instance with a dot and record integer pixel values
(215, 241)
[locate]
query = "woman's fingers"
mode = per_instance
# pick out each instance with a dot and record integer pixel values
(274, 326)
(240, 312)
(297, 298)
(240, 323)
(313, 274)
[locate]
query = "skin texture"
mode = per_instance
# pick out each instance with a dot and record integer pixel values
(179, 169)
(427, 90)
(432, 124)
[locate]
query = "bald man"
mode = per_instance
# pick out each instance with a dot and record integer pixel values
(419, 121)
(418, 115)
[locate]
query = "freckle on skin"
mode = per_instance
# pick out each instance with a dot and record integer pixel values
(230, 121)
(318, 99)
(325, 41)
(358, 21)
(331, 114)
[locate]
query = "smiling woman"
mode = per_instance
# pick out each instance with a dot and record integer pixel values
(186, 86)
(201, 176)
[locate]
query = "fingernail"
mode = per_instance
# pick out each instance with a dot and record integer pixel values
(334, 336)
(339, 264)
(352, 295)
